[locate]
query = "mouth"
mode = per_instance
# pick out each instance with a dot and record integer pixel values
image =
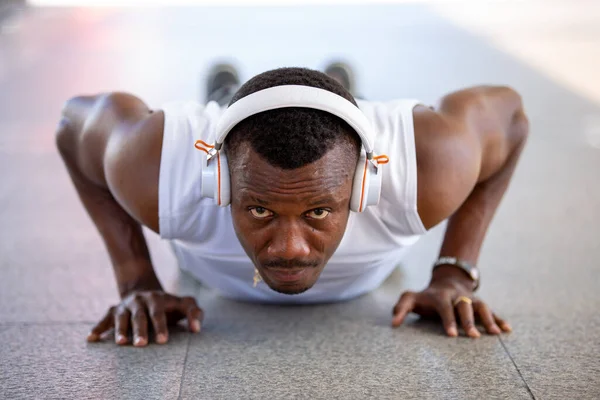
(287, 275)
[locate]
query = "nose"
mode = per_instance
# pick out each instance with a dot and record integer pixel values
(288, 242)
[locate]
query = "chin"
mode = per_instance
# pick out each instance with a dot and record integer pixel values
(288, 281)
(291, 290)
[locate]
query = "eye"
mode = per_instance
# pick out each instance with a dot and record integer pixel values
(260, 212)
(317, 213)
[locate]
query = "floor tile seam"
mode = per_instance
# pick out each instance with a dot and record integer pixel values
(187, 350)
(517, 368)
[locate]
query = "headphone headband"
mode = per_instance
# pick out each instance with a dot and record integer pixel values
(366, 185)
(295, 96)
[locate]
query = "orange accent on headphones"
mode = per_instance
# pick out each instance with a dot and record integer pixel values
(362, 190)
(202, 145)
(219, 177)
(382, 159)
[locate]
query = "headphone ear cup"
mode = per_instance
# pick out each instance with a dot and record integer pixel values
(375, 182)
(366, 188)
(224, 188)
(209, 178)
(215, 179)
(359, 183)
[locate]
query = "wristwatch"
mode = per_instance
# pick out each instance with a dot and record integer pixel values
(471, 270)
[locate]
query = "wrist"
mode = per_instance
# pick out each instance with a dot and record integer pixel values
(139, 283)
(136, 275)
(130, 287)
(454, 274)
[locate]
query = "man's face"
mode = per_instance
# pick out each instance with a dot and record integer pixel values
(290, 222)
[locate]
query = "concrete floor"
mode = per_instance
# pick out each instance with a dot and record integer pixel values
(540, 262)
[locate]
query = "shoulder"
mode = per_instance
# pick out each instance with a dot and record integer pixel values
(114, 142)
(448, 163)
(92, 127)
(96, 121)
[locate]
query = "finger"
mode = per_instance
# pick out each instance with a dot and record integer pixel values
(465, 313)
(446, 313)
(122, 317)
(487, 319)
(193, 313)
(505, 326)
(159, 320)
(104, 325)
(404, 306)
(139, 322)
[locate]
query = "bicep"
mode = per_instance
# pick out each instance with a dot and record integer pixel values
(117, 148)
(448, 165)
(132, 167)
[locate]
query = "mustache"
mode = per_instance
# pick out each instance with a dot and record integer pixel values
(289, 264)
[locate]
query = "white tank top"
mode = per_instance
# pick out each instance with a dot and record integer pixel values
(202, 234)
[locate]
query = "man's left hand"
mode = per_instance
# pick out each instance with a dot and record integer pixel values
(448, 299)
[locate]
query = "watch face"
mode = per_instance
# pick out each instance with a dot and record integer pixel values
(474, 272)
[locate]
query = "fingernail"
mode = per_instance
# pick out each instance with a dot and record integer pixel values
(120, 339)
(452, 331)
(474, 333)
(161, 338)
(196, 326)
(507, 327)
(495, 329)
(139, 341)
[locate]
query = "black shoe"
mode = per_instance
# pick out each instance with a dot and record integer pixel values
(343, 74)
(222, 83)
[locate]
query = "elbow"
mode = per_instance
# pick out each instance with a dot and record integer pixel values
(518, 120)
(520, 126)
(516, 99)
(512, 97)
(64, 135)
(74, 114)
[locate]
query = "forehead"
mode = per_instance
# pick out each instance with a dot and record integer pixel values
(330, 175)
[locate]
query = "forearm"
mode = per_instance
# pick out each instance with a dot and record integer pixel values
(122, 234)
(468, 226)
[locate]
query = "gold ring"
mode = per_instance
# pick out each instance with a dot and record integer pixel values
(461, 299)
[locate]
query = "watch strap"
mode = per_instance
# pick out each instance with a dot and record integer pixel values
(471, 270)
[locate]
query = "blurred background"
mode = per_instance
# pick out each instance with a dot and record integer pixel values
(399, 48)
(540, 267)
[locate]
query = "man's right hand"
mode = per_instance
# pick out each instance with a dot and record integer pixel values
(141, 309)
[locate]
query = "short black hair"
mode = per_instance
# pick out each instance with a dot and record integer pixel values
(290, 138)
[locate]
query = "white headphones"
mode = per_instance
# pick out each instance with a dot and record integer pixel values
(366, 187)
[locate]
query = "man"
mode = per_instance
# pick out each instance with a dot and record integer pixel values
(289, 185)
